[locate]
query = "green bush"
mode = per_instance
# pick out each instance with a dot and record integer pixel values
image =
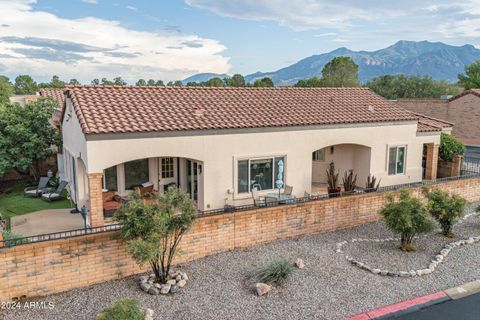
(276, 271)
(445, 208)
(450, 147)
(407, 216)
(124, 309)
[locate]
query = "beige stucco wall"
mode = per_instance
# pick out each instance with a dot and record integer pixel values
(220, 153)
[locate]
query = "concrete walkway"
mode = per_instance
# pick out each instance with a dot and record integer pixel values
(46, 221)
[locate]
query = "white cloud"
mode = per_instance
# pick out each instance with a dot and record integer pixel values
(132, 8)
(90, 1)
(42, 44)
(347, 15)
(326, 34)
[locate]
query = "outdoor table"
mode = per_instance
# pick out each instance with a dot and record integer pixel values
(280, 197)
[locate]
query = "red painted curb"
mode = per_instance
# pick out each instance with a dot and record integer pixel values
(397, 307)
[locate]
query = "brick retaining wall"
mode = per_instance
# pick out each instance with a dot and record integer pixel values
(43, 268)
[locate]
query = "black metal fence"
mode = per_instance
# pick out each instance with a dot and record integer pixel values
(470, 165)
(466, 174)
(58, 235)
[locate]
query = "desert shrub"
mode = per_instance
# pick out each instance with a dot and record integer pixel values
(276, 271)
(153, 231)
(445, 208)
(123, 309)
(407, 217)
(450, 147)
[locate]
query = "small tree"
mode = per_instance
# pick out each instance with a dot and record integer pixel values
(445, 208)
(471, 78)
(26, 135)
(153, 231)
(408, 217)
(450, 147)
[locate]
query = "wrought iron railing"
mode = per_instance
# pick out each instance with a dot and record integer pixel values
(6, 243)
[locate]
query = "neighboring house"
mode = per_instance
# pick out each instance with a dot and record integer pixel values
(219, 143)
(462, 110)
(23, 99)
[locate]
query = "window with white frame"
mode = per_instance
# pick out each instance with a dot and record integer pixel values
(262, 173)
(110, 178)
(396, 160)
(167, 168)
(318, 155)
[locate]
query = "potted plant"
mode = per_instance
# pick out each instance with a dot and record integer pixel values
(332, 180)
(371, 185)
(349, 182)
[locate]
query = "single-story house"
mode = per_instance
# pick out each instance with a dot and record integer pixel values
(218, 144)
(463, 110)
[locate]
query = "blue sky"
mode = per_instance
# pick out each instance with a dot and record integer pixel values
(172, 39)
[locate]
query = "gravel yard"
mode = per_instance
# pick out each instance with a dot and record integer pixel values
(328, 288)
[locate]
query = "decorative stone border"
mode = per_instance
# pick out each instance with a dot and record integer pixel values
(439, 258)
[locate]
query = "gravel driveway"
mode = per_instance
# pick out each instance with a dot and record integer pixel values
(328, 288)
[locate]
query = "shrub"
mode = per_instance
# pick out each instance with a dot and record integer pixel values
(332, 177)
(349, 181)
(123, 309)
(153, 231)
(450, 147)
(407, 216)
(372, 184)
(277, 271)
(445, 208)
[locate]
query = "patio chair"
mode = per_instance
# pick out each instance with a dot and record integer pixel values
(35, 191)
(57, 194)
(288, 190)
(258, 201)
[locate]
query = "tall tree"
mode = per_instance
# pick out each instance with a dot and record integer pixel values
(215, 82)
(54, 83)
(340, 72)
(159, 83)
(402, 87)
(118, 81)
(24, 84)
(141, 82)
(6, 90)
(151, 82)
(26, 135)
(178, 83)
(310, 83)
(471, 78)
(74, 82)
(264, 82)
(237, 80)
(96, 81)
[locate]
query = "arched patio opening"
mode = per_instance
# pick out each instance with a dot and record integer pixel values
(346, 157)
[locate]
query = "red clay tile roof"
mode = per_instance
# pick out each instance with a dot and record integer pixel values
(475, 92)
(430, 124)
(115, 109)
(57, 94)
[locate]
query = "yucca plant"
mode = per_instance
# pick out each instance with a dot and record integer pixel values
(349, 181)
(332, 178)
(371, 184)
(275, 271)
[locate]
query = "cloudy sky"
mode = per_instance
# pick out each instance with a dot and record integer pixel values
(172, 39)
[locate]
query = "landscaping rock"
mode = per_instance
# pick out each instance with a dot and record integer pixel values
(158, 285)
(171, 282)
(376, 271)
(299, 263)
(165, 289)
(145, 286)
(153, 291)
(182, 283)
(174, 288)
(143, 279)
(178, 278)
(149, 314)
(262, 288)
(184, 276)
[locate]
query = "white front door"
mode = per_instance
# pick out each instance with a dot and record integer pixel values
(167, 173)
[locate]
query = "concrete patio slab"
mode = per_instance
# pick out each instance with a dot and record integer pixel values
(46, 221)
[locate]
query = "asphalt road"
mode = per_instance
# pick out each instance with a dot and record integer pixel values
(467, 308)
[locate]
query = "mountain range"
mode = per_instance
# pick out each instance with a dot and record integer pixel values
(435, 59)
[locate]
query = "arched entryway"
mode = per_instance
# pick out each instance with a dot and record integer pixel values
(346, 157)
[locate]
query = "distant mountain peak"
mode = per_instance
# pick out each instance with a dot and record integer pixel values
(436, 59)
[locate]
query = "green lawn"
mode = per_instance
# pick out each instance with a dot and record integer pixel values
(14, 203)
